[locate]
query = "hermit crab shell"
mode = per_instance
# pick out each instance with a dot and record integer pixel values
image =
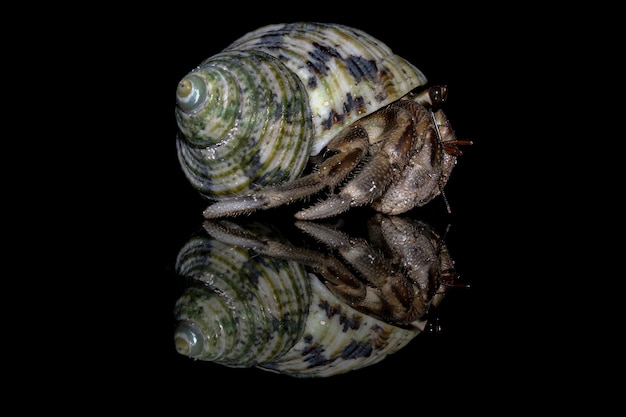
(243, 309)
(252, 114)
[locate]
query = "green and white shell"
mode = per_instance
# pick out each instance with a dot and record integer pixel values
(246, 310)
(254, 113)
(243, 309)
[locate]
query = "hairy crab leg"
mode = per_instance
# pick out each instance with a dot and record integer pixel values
(339, 279)
(388, 159)
(389, 294)
(351, 146)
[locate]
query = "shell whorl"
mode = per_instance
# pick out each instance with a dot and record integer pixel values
(252, 114)
(248, 122)
(243, 309)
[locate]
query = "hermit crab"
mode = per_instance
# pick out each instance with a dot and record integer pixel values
(290, 110)
(256, 299)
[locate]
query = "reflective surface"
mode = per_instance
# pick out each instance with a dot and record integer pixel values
(111, 216)
(134, 218)
(255, 299)
(471, 326)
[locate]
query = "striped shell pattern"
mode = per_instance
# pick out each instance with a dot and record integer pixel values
(254, 113)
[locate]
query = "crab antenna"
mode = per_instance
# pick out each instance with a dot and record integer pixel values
(445, 200)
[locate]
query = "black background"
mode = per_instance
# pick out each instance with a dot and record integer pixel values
(132, 210)
(474, 347)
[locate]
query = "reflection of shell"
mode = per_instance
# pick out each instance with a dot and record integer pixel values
(338, 339)
(246, 310)
(252, 114)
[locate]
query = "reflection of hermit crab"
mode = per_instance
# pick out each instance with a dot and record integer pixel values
(396, 274)
(289, 110)
(255, 299)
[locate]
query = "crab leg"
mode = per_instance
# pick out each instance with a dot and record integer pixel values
(389, 294)
(343, 283)
(391, 149)
(351, 145)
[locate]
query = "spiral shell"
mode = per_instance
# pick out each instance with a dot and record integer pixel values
(244, 309)
(254, 113)
(249, 310)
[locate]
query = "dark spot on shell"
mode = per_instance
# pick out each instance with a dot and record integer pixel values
(252, 272)
(357, 350)
(353, 104)
(330, 310)
(351, 322)
(275, 324)
(274, 176)
(271, 366)
(333, 119)
(361, 68)
(290, 324)
(380, 97)
(292, 27)
(314, 355)
(320, 55)
(254, 165)
(288, 110)
(348, 322)
(272, 40)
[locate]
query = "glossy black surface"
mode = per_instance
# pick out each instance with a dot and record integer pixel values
(472, 330)
(131, 231)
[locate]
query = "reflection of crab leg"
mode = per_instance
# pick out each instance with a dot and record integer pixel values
(397, 276)
(389, 294)
(338, 277)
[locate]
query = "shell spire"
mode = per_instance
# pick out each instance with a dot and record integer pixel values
(242, 310)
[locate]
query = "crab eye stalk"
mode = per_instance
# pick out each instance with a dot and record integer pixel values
(438, 95)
